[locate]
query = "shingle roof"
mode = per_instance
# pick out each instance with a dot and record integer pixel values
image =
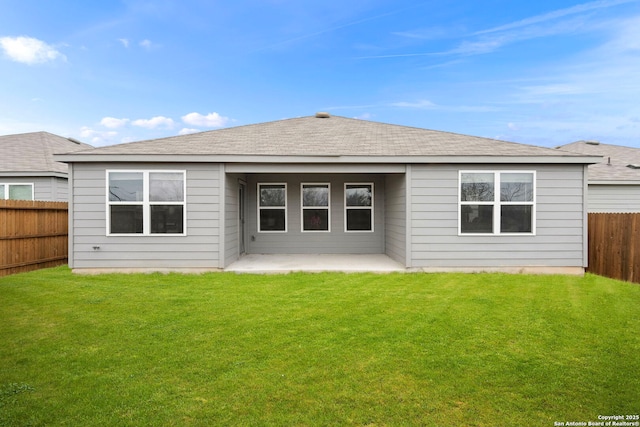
(334, 136)
(33, 152)
(616, 160)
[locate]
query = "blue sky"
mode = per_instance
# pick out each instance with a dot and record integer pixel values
(544, 72)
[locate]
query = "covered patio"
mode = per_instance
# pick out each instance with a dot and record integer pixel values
(285, 263)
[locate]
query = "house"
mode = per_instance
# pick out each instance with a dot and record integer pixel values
(614, 184)
(28, 170)
(432, 201)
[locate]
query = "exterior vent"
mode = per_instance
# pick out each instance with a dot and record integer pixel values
(75, 141)
(592, 142)
(634, 166)
(322, 115)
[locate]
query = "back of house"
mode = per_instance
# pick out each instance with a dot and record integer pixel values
(430, 200)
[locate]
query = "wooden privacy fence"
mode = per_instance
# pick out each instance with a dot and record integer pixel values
(33, 235)
(614, 245)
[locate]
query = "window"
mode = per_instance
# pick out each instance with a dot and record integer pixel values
(272, 207)
(358, 207)
(16, 191)
(315, 207)
(497, 202)
(146, 202)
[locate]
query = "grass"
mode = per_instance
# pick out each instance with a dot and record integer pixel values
(316, 349)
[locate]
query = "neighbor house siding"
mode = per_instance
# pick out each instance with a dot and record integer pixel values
(45, 188)
(396, 217)
(295, 241)
(198, 249)
(614, 198)
(559, 235)
(60, 191)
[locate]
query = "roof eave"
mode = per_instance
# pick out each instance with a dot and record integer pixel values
(34, 173)
(214, 158)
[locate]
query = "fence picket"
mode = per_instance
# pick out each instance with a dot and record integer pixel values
(33, 235)
(613, 245)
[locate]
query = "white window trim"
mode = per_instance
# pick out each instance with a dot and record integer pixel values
(373, 198)
(497, 203)
(146, 203)
(303, 207)
(5, 195)
(285, 207)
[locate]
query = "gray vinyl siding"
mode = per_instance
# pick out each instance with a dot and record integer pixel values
(294, 241)
(198, 249)
(232, 224)
(60, 189)
(559, 239)
(396, 217)
(614, 198)
(45, 188)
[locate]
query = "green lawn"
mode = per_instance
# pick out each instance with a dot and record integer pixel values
(316, 349)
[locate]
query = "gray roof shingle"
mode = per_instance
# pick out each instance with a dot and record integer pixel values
(334, 136)
(33, 152)
(615, 164)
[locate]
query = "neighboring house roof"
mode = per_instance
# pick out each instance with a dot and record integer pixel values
(32, 153)
(322, 138)
(620, 165)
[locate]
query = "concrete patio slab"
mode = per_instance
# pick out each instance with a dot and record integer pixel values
(284, 263)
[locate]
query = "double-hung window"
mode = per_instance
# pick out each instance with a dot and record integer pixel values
(315, 207)
(272, 207)
(497, 202)
(16, 191)
(146, 202)
(358, 207)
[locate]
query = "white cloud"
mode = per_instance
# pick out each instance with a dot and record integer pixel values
(211, 120)
(146, 44)
(29, 50)
(154, 122)
(578, 18)
(113, 123)
(187, 131)
(423, 103)
(97, 138)
(580, 8)
(125, 42)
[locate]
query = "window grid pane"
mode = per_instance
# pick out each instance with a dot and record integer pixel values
(516, 187)
(359, 220)
(272, 195)
(126, 219)
(126, 186)
(477, 219)
(516, 218)
(272, 220)
(20, 192)
(166, 187)
(315, 220)
(167, 219)
(359, 195)
(477, 187)
(315, 195)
